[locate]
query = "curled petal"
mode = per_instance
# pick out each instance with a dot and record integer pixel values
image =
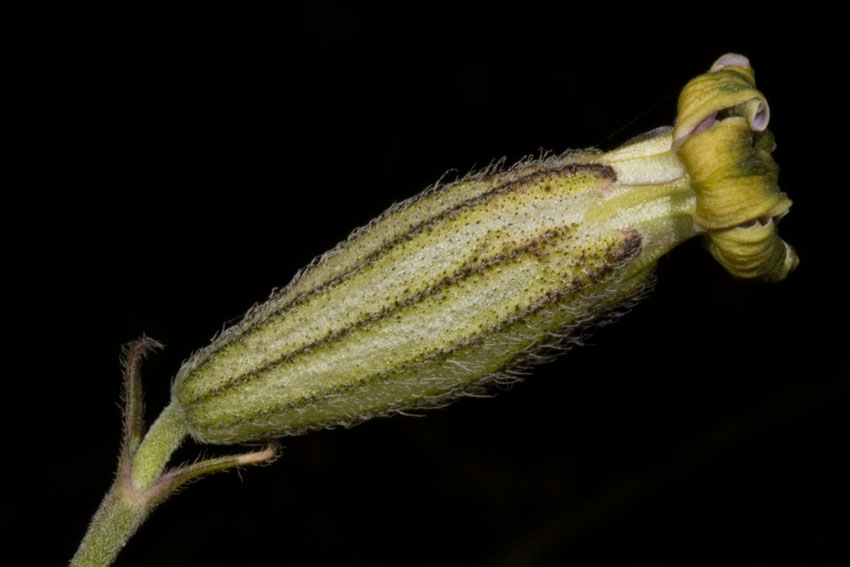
(722, 138)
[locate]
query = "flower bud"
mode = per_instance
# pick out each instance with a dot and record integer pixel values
(472, 281)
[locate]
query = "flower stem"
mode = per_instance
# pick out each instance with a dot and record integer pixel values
(133, 495)
(162, 440)
(142, 483)
(119, 516)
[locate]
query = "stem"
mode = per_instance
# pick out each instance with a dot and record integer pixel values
(134, 494)
(162, 440)
(120, 514)
(140, 484)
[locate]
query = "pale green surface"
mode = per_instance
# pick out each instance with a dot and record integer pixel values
(382, 339)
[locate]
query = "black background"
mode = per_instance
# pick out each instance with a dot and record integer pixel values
(188, 159)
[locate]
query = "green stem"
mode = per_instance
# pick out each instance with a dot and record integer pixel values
(134, 494)
(142, 483)
(119, 516)
(162, 440)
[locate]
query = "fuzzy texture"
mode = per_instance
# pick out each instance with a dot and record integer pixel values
(464, 284)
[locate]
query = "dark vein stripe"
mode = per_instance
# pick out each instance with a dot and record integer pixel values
(615, 257)
(467, 270)
(227, 339)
